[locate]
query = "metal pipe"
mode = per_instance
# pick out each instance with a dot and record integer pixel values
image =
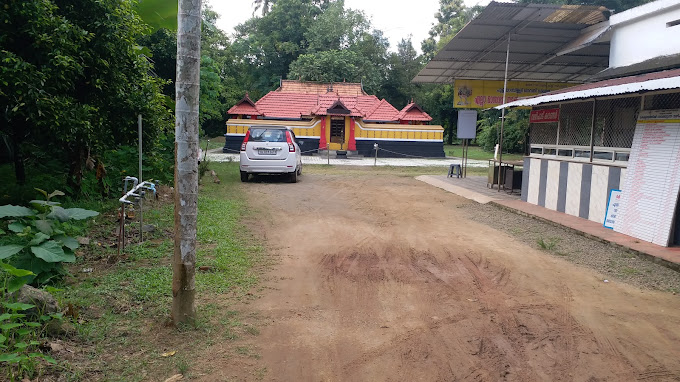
(141, 206)
(375, 160)
(500, 141)
(592, 131)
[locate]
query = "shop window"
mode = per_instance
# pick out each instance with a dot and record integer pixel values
(582, 153)
(603, 155)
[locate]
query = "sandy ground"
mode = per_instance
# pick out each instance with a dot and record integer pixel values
(386, 279)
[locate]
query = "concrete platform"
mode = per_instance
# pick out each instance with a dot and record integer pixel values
(474, 188)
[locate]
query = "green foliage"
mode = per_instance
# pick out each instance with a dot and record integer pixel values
(547, 244)
(39, 239)
(514, 132)
(74, 81)
(333, 66)
(20, 333)
(158, 13)
(20, 339)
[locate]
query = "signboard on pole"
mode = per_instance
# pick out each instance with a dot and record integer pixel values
(467, 124)
(483, 94)
(544, 116)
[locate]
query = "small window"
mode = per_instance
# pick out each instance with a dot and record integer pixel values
(605, 155)
(549, 151)
(672, 23)
(537, 150)
(622, 157)
(565, 153)
(582, 153)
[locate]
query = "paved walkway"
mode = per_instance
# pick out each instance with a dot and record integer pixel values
(473, 188)
(218, 156)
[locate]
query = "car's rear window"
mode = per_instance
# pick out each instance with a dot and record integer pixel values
(267, 135)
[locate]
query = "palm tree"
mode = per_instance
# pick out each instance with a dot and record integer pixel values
(186, 160)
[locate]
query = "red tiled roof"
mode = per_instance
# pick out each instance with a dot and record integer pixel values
(297, 99)
(244, 106)
(343, 89)
(383, 111)
(413, 112)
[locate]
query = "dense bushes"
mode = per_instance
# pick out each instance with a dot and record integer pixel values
(514, 132)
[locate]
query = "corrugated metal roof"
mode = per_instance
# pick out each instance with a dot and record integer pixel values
(539, 35)
(669, 79)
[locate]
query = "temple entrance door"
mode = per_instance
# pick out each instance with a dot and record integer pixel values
(337, 138)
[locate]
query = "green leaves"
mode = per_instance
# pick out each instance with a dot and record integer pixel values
(158, 13)
(38, 238)
(17, 306)
(15, 271)
(44, 226)
(80, 213)
(52, 252)
(10, 250)
(16, 227)
(67, 241)
(15, 211)
(65, 214)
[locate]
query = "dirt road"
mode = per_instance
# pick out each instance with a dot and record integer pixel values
(385, 279)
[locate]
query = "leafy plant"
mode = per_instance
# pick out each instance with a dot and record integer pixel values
(19, 333)
(39, 237)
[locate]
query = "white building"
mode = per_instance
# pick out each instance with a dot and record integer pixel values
(619, 137)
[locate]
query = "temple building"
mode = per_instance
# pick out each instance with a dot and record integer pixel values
(339, 117)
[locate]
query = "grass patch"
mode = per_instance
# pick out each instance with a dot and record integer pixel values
(629, 271)
(476, 152)
(124, 306)
(212, 143)
(547, 244)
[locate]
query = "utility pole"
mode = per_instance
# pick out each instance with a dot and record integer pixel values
(186, 160)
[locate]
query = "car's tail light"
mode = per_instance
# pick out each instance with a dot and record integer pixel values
(245, 140)
(289, 139)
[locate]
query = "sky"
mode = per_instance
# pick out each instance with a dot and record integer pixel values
(396, 18)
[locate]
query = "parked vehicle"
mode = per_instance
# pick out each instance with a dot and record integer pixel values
(270, 150)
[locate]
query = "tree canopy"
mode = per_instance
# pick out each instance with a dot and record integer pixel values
(74, 74)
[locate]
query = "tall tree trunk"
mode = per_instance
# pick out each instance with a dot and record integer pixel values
(186, 160)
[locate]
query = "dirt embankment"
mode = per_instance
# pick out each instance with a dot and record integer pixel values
(388, 279)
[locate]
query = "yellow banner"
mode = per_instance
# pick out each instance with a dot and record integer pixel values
(483, 94)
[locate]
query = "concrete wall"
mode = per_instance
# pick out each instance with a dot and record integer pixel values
(642, 33)
(579, 189)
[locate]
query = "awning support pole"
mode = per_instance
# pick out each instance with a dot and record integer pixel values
(500, 141)
(592, 131)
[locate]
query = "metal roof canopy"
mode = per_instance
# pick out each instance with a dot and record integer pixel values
(547, 43)
(657, 81)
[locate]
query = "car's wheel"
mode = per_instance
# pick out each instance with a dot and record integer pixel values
(244, 176)
(299, 170)
(293, 177)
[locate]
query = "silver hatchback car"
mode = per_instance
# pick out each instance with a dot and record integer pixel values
(270, 150)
